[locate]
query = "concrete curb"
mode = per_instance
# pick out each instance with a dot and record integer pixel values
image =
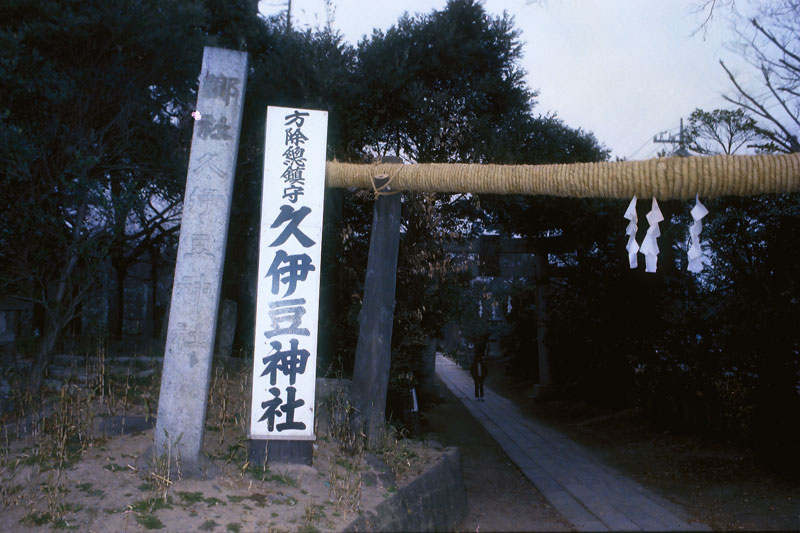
(435, 501)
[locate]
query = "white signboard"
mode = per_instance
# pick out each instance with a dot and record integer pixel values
(287, 305)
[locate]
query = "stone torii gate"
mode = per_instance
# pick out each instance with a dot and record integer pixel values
(663, 178)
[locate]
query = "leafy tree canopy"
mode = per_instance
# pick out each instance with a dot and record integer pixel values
(94, 98)
(721, 131)
(440, 87)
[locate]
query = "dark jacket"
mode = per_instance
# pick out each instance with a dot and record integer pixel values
(479, 359)
(484, 368)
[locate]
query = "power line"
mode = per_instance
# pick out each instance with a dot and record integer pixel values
(630, 157)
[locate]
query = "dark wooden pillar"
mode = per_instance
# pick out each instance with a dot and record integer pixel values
(374, 348)
(545, 385)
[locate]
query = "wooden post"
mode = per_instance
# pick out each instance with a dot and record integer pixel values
(374, 348)
(545, 385)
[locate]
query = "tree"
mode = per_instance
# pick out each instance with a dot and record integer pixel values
(770, 41)
(93, 113)
(721, 131)
(752, 294)
(440, 87)
(753, 302)
(146, 225)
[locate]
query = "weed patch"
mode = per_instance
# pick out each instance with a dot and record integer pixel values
(190, 497)
(149, 521)
(208, 525)
(89, 490)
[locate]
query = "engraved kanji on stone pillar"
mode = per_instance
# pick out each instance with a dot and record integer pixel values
(201, 252)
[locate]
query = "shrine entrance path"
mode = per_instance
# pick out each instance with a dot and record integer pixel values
(589, 494)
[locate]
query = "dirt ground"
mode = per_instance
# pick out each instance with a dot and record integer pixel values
(719, 484)
(104, 492)
(102, 488)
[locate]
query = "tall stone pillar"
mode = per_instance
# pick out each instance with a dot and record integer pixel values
(201, 253)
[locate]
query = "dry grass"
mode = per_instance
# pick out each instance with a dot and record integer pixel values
(47, 442)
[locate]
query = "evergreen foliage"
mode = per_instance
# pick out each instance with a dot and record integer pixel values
(94, 103)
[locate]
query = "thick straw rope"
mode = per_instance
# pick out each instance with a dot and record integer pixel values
(663, 178)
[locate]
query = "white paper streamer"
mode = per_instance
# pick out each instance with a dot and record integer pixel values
(632, 246)
(696, 256)
(649, 245)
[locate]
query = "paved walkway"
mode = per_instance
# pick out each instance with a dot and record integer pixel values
(589, 494)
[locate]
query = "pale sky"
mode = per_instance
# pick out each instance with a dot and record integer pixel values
(625, 70)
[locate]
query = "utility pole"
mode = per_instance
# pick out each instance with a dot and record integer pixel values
(680, 140)
(289, 18)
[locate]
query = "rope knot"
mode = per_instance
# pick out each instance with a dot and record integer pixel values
(381, 184)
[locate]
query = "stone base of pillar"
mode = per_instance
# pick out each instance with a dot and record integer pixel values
(285, 452)
(200, 467)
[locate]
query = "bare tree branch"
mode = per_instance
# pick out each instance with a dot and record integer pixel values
(753, 105)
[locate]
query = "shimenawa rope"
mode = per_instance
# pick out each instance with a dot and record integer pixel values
(664, 178)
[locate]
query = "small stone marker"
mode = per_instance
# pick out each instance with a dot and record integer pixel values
(287, 304)
(201, 253)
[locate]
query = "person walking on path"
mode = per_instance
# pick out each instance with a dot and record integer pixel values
(479, 369)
